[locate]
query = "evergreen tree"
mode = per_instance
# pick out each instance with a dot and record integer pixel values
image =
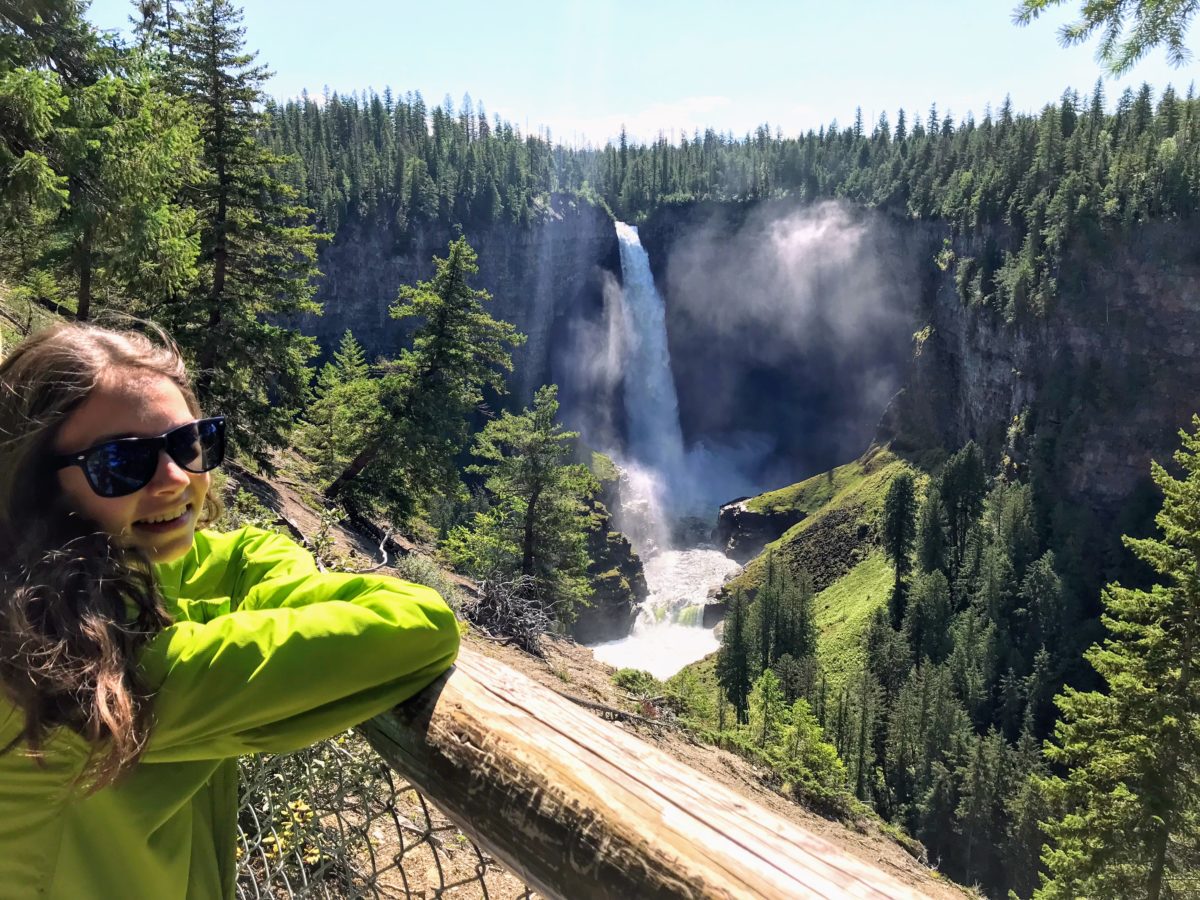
(765, 616)
(888, 654)
(1025, 807)
(927, 621)
(931, 530)
(979, 814)
(93, 156)
(898, 532)
(342, 404)
(796, 623)
(258, 251)
(800, 677)
(768, 709)
(1132, 799)
(964, 486)
(458, 351)
(733, 660)
(540, 510)
(1128, 31)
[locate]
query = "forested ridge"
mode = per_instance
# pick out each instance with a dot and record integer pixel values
(1029, 184)
(154, 178)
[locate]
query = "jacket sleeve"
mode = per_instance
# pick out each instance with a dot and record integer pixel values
(302, 656)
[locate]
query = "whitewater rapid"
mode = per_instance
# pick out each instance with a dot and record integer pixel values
(669, 631)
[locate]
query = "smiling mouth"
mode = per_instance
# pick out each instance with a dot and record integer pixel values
(166, 521)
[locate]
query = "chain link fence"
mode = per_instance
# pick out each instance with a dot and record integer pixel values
(334, 821)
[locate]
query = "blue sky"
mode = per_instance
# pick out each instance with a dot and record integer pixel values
(583, 69)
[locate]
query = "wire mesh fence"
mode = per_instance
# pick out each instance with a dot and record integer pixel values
(334, 821)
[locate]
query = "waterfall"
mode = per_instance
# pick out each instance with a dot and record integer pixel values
(653, 458)
(655, 484)
(655, 439)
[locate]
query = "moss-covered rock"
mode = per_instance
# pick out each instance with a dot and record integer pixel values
(618, 586)
(618, 582)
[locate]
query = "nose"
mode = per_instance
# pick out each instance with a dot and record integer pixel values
(169, 477)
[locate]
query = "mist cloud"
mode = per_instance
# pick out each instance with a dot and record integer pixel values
(793, 321)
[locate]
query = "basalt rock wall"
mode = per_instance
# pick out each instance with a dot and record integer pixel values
(1086, 395)
(543, 278)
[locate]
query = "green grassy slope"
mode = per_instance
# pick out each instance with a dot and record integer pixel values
(838, 532)
(843, 611)
(837, 543)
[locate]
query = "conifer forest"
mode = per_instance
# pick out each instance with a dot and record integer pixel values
(980, 626)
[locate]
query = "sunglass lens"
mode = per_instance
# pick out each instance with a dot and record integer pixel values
(200, 446)
(120, 468)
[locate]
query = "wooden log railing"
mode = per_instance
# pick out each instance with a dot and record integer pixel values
(580, 809)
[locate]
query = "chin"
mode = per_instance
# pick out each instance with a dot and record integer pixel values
(170, 549)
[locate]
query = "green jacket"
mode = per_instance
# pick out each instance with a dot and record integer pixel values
(266, 654)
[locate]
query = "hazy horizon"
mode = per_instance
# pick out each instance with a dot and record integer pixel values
(584, 70)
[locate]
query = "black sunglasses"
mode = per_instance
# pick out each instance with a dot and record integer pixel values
(119, 467)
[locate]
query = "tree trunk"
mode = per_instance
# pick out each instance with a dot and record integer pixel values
(83, 261)
(220, 255)
(1158, 862)
(352, 471)
(528, 541)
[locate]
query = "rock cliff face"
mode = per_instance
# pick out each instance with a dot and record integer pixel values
(618, 580)
(544, 279)
(1088, 395)
(742, 533)
(618, 587)
(1091, 394)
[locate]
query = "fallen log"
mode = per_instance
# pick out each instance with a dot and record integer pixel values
(581, 809)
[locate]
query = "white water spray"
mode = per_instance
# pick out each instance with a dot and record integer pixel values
(669, 631)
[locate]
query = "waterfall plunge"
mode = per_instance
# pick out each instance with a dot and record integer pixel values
(655, 439)
(656, 472)
(653, 456)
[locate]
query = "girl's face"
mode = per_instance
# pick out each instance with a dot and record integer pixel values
(160, 518)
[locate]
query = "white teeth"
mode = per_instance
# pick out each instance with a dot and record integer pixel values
(167, 518)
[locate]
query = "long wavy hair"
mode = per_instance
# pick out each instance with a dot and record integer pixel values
(75, 607)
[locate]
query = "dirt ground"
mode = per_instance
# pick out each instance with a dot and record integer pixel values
(570, 670)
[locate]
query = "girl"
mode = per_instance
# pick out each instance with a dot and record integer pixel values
(139, 655)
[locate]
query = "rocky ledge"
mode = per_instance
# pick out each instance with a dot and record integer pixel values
(618, 586)
(742, 532)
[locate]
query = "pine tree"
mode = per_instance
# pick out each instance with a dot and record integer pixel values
(927, 621)
(537, 525)
(898, 533)
(888, 655)
(931, 530)
(1128, 32)
(93, 157)
(766, 610)
(978, 816)
(768, 709)
(964, 486)
(1025, 807)
(1132, 798)
(796, 624)
(458, 351)
(341, 408)
(733, 660)
(258, 252)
